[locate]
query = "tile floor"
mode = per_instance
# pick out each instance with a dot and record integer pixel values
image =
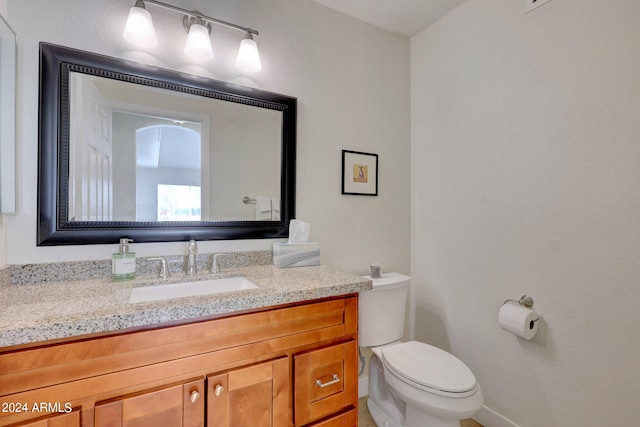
(364, 419)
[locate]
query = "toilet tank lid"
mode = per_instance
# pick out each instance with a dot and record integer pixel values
(389, 281)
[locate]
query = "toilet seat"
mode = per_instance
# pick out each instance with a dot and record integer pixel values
(429, 368)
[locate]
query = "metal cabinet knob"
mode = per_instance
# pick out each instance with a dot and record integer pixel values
(218, 390)
(195, 396)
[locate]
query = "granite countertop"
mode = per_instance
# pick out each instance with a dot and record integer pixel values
(38, 312)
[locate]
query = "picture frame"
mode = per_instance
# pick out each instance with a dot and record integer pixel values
(359, 173)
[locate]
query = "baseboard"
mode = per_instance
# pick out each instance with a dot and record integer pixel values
(490, 418)
(363, 387)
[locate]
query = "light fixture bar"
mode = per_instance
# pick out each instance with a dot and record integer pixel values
(203, 17)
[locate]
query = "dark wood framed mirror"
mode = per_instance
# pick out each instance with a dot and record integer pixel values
(144, 118)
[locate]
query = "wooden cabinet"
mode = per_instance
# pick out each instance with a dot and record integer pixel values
(253, 369)
(252, 396)
(323, 383)
(71, 419)
(180, 405)
(348, 418)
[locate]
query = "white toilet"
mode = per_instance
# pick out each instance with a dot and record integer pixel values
(411, 384)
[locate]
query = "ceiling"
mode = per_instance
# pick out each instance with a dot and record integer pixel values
(408, 17)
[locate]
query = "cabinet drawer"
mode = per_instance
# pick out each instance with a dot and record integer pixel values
(345, 419)
(325, 381)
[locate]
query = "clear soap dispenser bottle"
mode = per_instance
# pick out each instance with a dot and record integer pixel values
(123, 262)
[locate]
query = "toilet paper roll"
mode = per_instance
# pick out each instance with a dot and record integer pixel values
(518, 320)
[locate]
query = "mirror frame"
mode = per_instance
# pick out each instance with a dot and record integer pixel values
(56, 63)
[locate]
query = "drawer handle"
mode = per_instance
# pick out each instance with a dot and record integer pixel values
(194, 397)
(334, 380)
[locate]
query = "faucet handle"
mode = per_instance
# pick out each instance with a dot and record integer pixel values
(164, 270)
(214, 262)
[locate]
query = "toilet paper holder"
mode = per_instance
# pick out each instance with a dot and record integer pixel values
(524, 300)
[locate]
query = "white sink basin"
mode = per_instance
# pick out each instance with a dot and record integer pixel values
(190, 289)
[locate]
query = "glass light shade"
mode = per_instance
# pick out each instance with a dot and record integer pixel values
(139, 29)
(198, 44)
(248, 56)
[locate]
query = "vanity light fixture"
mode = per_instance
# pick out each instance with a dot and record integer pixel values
(198, 44)
(139, 31)
(248, 55)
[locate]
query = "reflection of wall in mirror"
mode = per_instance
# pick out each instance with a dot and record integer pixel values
(243, 157)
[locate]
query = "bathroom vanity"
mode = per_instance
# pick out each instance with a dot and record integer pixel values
(283, 354)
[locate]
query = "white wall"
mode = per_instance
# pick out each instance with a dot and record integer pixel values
(525, 176)
(352, 84)
(3, 237)
(3, 242)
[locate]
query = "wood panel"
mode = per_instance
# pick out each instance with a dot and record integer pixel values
(344, 419)
(71, 419)
(91, 367)
(313, 402)
(171, 406)
(77, 390)
(193, 403)
(249, 397)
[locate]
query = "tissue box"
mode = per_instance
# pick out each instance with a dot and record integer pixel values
(296, 254)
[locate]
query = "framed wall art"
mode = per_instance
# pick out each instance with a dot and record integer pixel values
(359, 173)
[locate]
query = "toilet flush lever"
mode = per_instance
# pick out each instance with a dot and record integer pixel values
(334, 380)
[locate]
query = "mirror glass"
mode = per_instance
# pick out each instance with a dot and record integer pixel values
(7, 118)
(129, 150)
(152, 154)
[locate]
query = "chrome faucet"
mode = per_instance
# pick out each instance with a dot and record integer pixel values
(214, 264)
(164, 270)
(192, 251)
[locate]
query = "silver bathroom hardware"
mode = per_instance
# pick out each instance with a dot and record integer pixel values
(246, 200)
(164, 270)
(524, 300)
(334, 380)
(218, 390)
(214, 263)
(192, 251)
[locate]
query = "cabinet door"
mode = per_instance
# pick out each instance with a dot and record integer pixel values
(254, 396)
(71, 419)
(181, 405)
(326, 382)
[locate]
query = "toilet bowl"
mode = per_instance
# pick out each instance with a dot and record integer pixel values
(411, 384)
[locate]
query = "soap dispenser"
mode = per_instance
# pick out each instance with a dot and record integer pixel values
(123, 262)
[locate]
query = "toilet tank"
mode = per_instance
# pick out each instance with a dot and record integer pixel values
(381, 311)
